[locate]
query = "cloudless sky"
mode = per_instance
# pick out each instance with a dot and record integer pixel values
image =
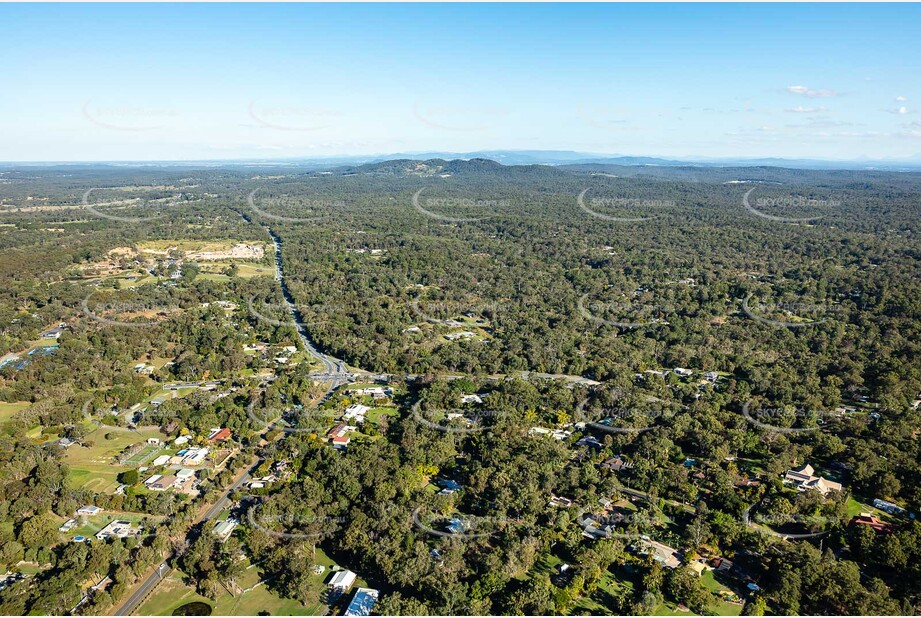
(224, 81)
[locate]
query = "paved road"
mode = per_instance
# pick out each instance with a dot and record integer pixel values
(163, 570)
(333, 367)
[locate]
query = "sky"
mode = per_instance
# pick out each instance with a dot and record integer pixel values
(107, 82)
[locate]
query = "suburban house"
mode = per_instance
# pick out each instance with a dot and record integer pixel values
(665, 555)
(590, 441)
(341, 582)
(162, 460)
(471, 399)
(616, 464)
(55, 333)
(68, 525)
(558, 434)
(117, 529)
(224, 529)
(448, 486)
(804, 478)
(355, 412)
(341, 441)
(219, 434)
(892, 509)
(865, 519)
(89, 510)
(464, 334)
(338, 435)
(377, 392)
(560, 501)
(457, 526)
(160, 482)
(193, 456)
(362, 603)
(184, 474)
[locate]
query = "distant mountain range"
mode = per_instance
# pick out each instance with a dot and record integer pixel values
(567, 157)
(521, 157)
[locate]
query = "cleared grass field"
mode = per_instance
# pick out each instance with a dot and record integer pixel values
(257, 596)
(96, 468)
(8, 410)
(244, 270)
(89, 525)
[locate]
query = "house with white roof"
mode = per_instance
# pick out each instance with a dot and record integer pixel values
(355, 412)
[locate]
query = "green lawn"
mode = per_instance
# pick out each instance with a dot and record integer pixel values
(374, 414)
(96, 468)
(8, 410)
(90, 525)
(214, 270)
(173, 592)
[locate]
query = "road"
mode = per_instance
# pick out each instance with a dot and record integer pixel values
(163, 569)
(334, 369)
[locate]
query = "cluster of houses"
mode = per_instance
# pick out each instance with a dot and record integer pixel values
(339, 435)
(558, 434)
(183, 480)
(283, 357)
(464, 334)
(118, 528)
(281, 470)
(375, 392)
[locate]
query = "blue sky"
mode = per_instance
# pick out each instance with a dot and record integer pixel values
(224, 81)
